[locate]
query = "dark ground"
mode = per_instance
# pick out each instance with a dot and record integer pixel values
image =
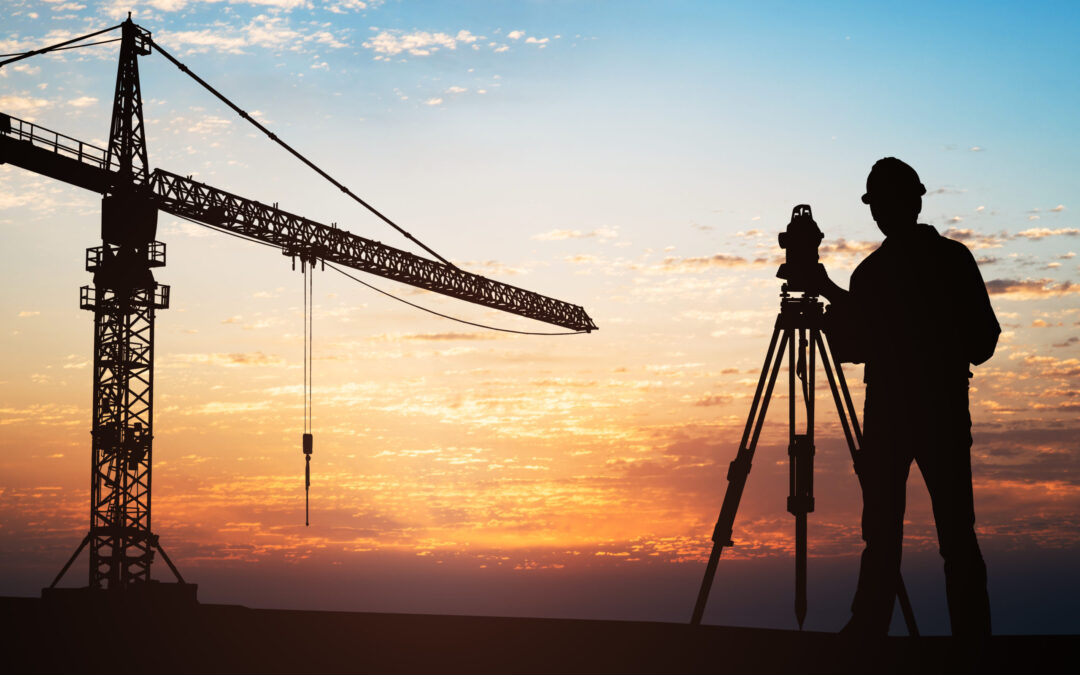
(40, 637)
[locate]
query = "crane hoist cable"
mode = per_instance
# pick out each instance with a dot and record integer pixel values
(272, 136)
(307, 269)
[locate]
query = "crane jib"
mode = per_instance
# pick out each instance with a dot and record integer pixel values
(297, 235)
(87, 166)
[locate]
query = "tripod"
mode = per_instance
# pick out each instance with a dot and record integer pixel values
(800, 319)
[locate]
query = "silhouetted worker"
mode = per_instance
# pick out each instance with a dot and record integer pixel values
(917, 315)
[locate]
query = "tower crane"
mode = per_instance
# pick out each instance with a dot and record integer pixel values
(124, 296)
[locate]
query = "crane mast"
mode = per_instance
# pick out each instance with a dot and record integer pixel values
(125, 297)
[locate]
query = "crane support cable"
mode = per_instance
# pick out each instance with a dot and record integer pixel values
(272, 136)
(379, 290)
(58, 46)
(60, 49)
(447, 316)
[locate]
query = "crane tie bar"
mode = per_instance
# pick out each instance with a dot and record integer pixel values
(272, 136)
(59, 46)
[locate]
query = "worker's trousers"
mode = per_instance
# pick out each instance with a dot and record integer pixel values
(934, 429)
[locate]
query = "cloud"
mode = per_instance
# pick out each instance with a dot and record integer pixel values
(1030, 288)
(22, 106)
(82, 102)
(582, 259)
(419, 43)
(491, 268)
(230, 360)
(117, 8)
(433, 101)
(975, 239)
(456, 90)
(1037, 233)
(945, 191)
(603, 234)
(1052, 367)
(702, 263)
(436, 337)
(202, 41)
(343, 6)
(267, 32)
(209, 125)
(230, 408)
(1058, 209)
(844, 247)
(709, 400)
(516, 34)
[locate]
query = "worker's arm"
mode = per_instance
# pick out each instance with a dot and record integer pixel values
(843, 325)
(981, 328)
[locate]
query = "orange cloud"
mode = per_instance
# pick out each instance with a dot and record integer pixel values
(1030, 288)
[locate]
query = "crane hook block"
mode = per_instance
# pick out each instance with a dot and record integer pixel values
(308, 442)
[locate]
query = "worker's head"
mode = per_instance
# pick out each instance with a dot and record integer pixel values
(894, 193)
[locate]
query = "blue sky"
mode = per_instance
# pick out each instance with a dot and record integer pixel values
(677, 102)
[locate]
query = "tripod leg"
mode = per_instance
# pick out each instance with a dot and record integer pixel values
(905, 607)
(840, 411)
(740, 467)
(801, 471)
(901, 589)
(843, 388)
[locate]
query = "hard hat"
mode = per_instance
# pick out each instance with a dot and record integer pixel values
(892, 176)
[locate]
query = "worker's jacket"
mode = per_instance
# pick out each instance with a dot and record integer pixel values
(918, 315)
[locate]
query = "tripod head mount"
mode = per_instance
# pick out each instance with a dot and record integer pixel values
(787, 292)
(800, 309)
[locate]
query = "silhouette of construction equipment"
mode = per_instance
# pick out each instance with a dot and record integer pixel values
(125, 296)
(800, 319)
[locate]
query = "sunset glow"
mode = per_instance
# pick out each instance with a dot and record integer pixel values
(634, 158)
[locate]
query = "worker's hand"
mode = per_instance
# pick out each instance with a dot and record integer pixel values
(816, 280)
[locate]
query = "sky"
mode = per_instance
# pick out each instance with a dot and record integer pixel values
(634, 158)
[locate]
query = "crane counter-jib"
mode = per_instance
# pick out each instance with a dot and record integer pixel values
(84, 165)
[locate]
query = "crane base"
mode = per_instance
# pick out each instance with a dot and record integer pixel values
(141, 598)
